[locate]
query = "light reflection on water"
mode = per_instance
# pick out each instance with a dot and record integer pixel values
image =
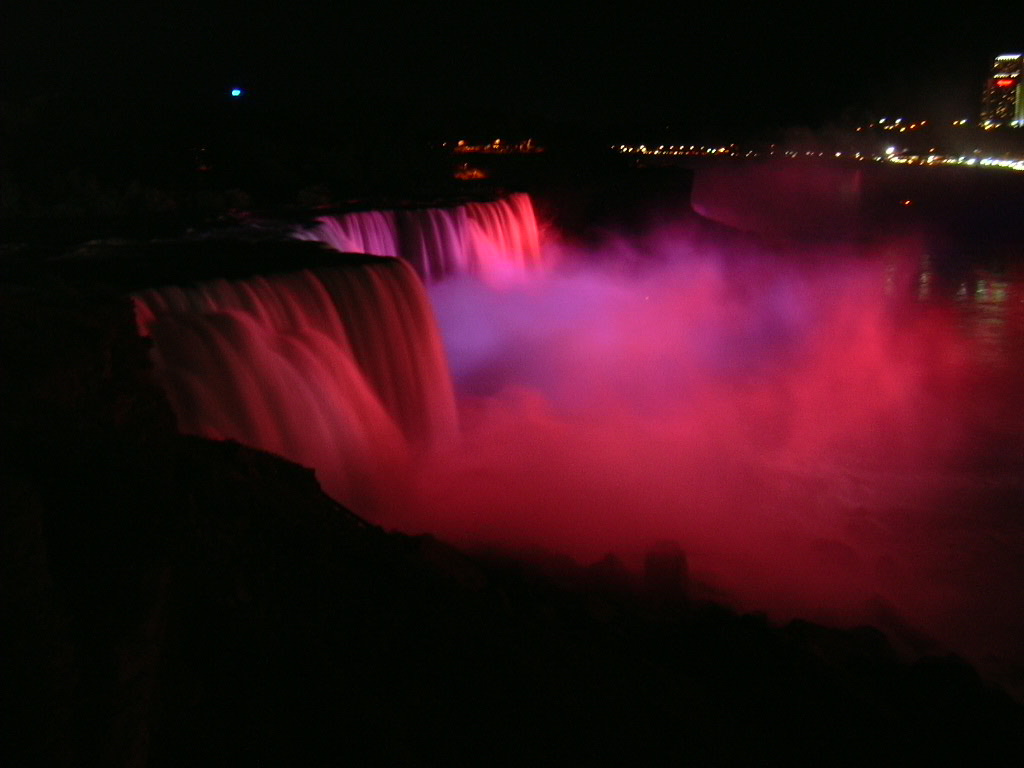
(981, 512)
(990, 312)
(953, 522)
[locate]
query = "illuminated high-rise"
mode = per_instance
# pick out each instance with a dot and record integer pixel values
(1003, 100)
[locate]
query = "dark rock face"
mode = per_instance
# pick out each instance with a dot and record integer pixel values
(169, 600)
(666, 573)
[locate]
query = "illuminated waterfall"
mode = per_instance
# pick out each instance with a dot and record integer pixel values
(338, 369)
(341, 368)
(496, 241)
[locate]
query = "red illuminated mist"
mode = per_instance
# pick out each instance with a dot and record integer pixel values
(804, 428)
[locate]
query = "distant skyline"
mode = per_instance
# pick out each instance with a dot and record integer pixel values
(706, 70)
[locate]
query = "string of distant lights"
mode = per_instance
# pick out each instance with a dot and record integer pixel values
(685, 151)
(902, 125)
(891, 155)
(498, 146)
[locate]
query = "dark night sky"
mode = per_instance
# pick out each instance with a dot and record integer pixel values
(715, 67)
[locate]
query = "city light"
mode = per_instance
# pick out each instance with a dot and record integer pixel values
(892, 154)
(1002, 107)
(1002, 102)
(498, 146)
(682, 151)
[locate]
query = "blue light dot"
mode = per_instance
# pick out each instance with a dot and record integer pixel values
(236, 92)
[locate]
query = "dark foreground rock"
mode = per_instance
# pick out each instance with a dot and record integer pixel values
(174, 601)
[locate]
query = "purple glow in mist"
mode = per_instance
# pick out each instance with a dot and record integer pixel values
(802, 426)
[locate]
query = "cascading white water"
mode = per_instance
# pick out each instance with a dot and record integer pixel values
(339, 369)
(373, 232)
(497, 241)
(435, 241)
(505, 241)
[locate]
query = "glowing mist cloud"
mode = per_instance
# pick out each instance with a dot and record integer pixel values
(801, 429)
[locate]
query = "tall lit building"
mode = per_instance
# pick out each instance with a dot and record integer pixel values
(1003, 100)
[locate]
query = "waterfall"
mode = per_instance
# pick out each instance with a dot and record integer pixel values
(373, 232)
(497, 241)
(340, 369)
